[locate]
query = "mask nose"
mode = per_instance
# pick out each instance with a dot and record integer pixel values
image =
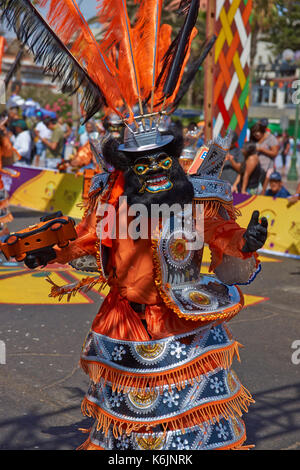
(154, 166)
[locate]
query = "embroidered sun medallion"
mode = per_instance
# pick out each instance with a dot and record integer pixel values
(150, 351)
(178, 249)
(150, 443)
(143, 400)
(199, 298)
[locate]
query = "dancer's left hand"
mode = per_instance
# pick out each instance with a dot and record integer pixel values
(256, 233)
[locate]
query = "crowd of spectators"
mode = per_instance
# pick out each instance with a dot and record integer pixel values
(45, 140)
(261, 164)
(42, 139)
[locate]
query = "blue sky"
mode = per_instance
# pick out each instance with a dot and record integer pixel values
(88, 7)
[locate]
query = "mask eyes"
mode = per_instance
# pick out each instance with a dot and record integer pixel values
(140, 169)
(167, 163)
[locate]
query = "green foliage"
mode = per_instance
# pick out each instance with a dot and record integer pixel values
(284, 31)
(57, 102)
(263, 17)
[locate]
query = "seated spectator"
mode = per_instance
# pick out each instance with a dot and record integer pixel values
(248, 182)
(22, 141)
(54, 145)
(233, 162)
(276, 187)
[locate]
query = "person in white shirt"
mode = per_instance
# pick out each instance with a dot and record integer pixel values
(43, 132)
(22, 140)
(84, 138)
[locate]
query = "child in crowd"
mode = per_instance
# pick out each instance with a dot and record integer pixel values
(276, 188)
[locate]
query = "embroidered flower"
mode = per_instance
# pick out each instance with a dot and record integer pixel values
(216, 384)
(171, 399)
(217, 334)
(181, 445)
(178, 349)
(118, 353)
(122, 443)
(222, 431)
(116, 399)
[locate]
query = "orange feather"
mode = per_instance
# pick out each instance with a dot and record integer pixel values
(119, 35)
(146, 40)
(2, 46)
(66, 20)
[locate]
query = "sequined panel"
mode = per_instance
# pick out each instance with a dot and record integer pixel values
(155, 356)
(208, 436)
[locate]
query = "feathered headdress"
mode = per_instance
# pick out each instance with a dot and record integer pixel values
(133, 64)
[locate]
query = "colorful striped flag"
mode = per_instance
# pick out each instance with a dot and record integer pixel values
(232, 66)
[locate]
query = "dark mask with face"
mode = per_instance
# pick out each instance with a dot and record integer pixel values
(154, 176)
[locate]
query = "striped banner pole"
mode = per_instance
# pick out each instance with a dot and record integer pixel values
(232, 67)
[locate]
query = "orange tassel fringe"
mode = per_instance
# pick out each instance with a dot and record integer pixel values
(212, 208)
(213, 411)
(6, 219)
(71, 290)
(122, 382)
(88, 445)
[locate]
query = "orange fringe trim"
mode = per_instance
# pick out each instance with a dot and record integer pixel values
(226, 409)
(125, 382)
(225, 315)
(238, 445)
(88, 445)
(89, 204)
(70, 290)
(4, 203)
(241, 447)
(6, 219)
(212, 208)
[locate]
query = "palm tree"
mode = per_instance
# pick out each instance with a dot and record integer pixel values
(264, 14)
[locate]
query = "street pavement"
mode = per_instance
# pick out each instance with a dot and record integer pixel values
(41, 384)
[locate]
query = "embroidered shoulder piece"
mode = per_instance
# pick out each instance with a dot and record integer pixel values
(207, 188)
(99, 182)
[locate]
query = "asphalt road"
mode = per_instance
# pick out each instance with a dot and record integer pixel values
(41, 385)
